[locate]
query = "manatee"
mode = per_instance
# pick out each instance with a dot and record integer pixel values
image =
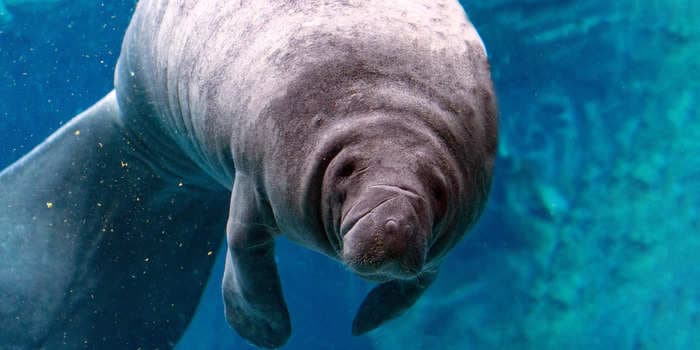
(5, 14)
(364, 130)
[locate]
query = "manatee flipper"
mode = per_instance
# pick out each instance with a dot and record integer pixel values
(252, 291)
(102, 243)
(388, 301)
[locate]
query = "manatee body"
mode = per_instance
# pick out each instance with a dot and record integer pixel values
(364, 130)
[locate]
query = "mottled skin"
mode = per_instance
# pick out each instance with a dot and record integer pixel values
(365, 130)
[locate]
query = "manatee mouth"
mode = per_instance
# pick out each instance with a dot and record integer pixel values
(383, 236)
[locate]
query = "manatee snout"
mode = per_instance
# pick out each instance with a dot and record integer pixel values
(385, 236)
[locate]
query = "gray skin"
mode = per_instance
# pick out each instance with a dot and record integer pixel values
(364, 129)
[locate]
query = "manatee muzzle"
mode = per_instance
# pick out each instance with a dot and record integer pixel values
(384, 236)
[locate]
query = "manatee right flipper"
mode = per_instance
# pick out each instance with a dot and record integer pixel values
(252, 292)
(106, 241)
(389, 300)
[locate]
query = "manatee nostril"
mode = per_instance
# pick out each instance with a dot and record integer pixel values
(391, 227)
(396, 240)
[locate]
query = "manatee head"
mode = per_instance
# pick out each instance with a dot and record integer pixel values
(396, 197)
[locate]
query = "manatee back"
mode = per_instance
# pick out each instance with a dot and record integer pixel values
(209, 70)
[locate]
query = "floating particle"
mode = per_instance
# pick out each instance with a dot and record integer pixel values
(77, 133)
(49, 205)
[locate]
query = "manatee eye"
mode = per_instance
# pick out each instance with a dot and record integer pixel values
(347, 169)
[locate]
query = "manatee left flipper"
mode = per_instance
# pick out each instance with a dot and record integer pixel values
(252, 291)
(388, 301)
(104, 243)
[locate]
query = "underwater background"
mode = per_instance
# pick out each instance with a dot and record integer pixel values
(591, 239)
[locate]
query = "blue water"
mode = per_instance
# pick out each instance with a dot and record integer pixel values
(591, 236)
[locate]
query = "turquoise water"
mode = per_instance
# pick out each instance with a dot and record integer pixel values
(591, 236)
